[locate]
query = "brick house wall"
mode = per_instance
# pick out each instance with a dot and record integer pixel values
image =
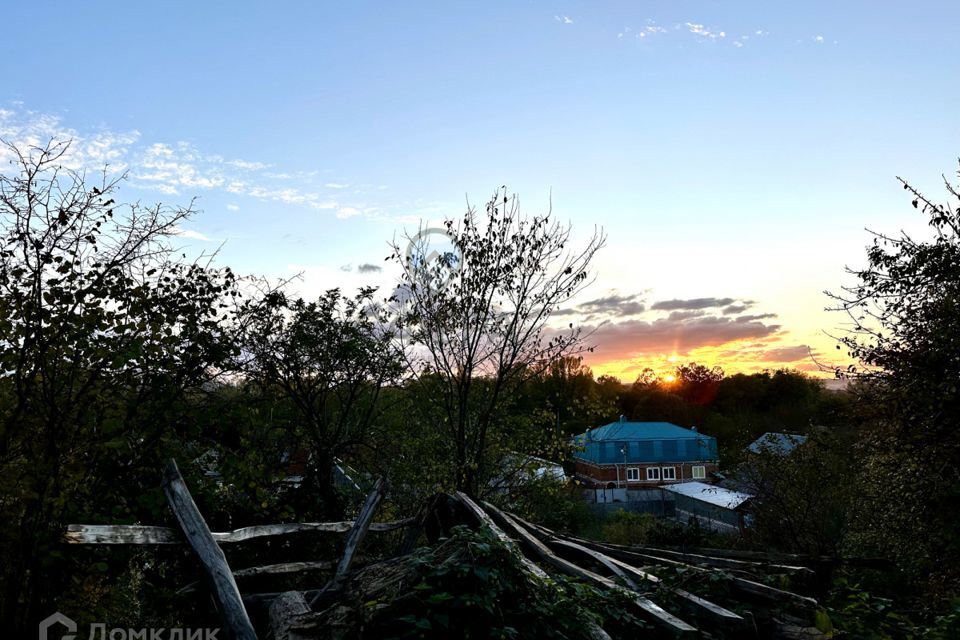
(599, 476)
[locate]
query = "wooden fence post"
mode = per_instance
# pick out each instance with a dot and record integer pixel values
(235, 619)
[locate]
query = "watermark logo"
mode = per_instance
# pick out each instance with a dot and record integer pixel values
(433, 258)
(58, 618)
(100, 631)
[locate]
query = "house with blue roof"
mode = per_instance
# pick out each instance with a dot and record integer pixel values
(643, 455)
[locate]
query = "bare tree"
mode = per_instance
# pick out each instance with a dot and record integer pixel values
(473, 317)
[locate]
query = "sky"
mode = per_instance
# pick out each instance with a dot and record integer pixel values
(733, 152)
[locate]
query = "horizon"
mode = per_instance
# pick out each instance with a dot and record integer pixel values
(733, 155)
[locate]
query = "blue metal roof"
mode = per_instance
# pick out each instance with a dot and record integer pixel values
(639, 442)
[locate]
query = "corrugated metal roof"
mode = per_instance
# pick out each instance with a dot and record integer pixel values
(710, 494)
(778, 443)
(627, 431)
(640, 442)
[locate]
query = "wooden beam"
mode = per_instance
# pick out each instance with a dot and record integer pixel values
(648, 609)
(694, 603)
(484, 519)
(534, 572)
(224, 586)
(357, 533)
(280, 569)
(723, 563)
(354, 538)
(140, 534)
(739, 554)
(741, 584)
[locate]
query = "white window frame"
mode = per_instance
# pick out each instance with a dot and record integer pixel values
(672, 473)
(698, 472)
(653, 473)
(633, 474)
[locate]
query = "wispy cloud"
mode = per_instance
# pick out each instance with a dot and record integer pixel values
(90, 150)
(174, 169)
(192, 235)
(613, 305)
(563, 19)
(691, 303)
(704, 32)
(697, 30)
(633, 338)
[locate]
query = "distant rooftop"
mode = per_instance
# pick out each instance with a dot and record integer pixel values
(777, 443)
(626, 431)
(640, 442)
(710, 494)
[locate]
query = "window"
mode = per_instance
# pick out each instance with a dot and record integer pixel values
(699, 473)
(653, 473)
(633, 474)
(669, 473)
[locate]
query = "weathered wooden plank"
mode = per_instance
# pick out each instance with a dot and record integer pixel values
(533, 571)
(700, 605)
(649, 609)
(141, 534)
(354, 538)
(742, 584)
(692, 602)
(359, 530)
(280, 569)
(740, 554)
(224, 586)
(722, 562)
(485, 519)
(284, 568)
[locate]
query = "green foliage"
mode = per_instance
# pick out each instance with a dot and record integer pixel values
(802, 500)
(482, 591)
(324, 365)
(553, 503)
(856, 613)
(106, 338)
(628, 528)
(904, 310)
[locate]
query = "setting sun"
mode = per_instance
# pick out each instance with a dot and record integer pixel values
(669, 378)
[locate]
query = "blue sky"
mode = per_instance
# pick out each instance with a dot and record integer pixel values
(730, 149)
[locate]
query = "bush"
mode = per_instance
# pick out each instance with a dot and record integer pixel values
(472, 586)
(627, 528)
